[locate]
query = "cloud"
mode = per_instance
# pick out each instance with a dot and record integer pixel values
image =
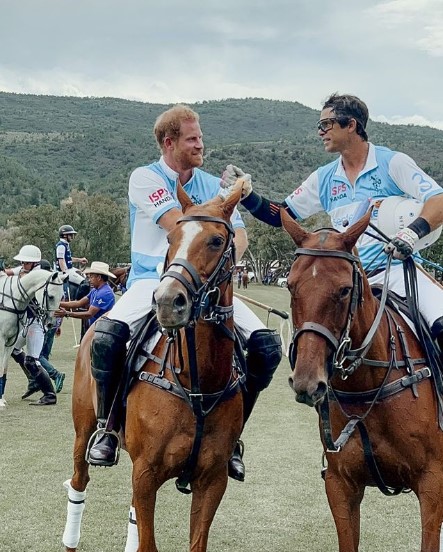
(387, 52)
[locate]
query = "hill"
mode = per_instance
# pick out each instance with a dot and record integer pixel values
(51, 145)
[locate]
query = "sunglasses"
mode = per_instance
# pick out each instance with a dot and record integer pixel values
(326, 124)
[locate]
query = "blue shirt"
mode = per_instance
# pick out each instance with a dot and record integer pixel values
(102, 298)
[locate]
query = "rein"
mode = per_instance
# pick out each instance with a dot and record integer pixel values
(205, 297)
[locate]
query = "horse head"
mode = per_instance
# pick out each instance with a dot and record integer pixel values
(48, 296)
(199, 262)
(325, 287)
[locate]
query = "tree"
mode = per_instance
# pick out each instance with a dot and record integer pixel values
(101, 224)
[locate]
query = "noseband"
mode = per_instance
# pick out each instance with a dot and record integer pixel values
(341, 345)
(205, 295)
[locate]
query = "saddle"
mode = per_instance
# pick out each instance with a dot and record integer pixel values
(410, 313)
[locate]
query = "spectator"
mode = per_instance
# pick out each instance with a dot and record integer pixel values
(245, 278)
(239, 278)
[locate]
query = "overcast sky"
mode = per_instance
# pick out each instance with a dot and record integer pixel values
(388, 52)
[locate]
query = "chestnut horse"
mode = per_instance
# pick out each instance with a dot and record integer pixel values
(382, 387)
(121, 274)
(184, 412)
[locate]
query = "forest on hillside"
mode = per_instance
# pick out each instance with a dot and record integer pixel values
(52, 148)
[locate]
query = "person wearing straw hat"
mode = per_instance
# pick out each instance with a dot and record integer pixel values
(98, 301)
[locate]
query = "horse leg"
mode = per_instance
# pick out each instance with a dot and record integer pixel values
(144, 488)
(207, 493)
(344, 501)
(429, 494)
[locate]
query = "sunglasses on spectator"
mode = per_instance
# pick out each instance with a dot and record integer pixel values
(326, 124)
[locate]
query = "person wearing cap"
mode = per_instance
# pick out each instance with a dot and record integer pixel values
(362, 177)
(99, 300)
(32, 334)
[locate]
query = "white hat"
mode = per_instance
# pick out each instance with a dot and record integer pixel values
(397, 212)
(98, 267)
(29, 254)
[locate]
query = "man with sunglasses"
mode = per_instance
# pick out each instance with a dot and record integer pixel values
(362, 176)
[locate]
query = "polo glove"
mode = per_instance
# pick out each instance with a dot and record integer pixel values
(230, 176)
(402, 244)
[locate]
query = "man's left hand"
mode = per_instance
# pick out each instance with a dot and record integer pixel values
(402, 244)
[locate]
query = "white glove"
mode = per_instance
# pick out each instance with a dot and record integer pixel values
(402, 244)
(230, 176)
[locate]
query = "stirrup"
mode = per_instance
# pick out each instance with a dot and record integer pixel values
(98, 433)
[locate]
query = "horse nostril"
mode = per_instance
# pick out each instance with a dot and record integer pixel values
(180, 302)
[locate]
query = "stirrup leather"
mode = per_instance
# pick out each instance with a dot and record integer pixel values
(98, 433)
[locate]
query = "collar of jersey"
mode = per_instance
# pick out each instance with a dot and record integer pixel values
(371, 163)
(170, 173)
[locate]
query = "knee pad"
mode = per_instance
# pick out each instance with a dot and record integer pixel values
(264, 355)
(108, 347)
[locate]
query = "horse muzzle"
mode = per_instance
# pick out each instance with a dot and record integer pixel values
(172, 305)
(310, 392)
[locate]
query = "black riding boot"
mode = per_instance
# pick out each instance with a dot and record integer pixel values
(108, 351)
(437, 334)
(35, 369)
(264, 355)
(19, 357)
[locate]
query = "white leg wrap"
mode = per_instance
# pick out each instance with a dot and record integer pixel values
(132, 537)
(76, 505)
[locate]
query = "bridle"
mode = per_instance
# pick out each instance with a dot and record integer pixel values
(36, 310)
(206, 295)
(341, 346)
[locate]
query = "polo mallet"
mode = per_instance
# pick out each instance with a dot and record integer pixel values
(77, 344)
(285, 323)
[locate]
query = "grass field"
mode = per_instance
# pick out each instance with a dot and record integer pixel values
(281, 507)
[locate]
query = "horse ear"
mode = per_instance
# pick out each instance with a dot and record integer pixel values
(231, 201)
(297, 233)
(352, 234)
(184, 199)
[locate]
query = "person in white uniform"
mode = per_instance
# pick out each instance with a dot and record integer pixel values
(33, 334)
(154, 211)
(363, 176)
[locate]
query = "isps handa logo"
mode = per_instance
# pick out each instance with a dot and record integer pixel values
(159, 197)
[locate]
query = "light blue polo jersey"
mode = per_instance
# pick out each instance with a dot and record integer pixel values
(386, 173)
(152, 192)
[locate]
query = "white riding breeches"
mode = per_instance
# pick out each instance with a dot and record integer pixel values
(135, 304)
(430, 292)
(32, 336)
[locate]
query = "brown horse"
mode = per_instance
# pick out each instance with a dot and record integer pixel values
(121, 274)
(184, 415)
(382, 388)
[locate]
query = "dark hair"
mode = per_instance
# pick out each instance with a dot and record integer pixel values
(45, 265)
(348, 107)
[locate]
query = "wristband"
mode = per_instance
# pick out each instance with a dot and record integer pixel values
(420, 226)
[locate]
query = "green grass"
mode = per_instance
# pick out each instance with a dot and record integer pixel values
(281, 507)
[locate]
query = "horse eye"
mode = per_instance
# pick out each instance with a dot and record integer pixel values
(344, 292)
(216, 241)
